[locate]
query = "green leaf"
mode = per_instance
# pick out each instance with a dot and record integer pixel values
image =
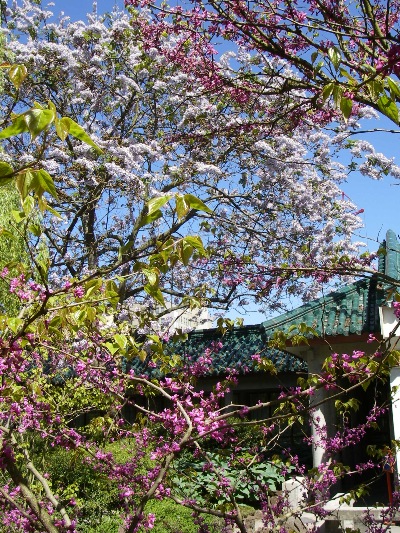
(327, 91)
(155, 204)
(151, 275)
(352, 80)
(28, 205)
(35, 229)
(92, 286)
(334, 56)
(38, 120)
(43, 182)
(150, 218)
(111, 286)
(8, 234)
(62, 129)
(5, 169)
(154, 338)
(337, 95)
(375, 88)
(56, 322)
(125, 248)
(14, 323)
(196, 242)
(53, 211)
(18, 126)
(23, 182)
(196, 203)
(389, 108)
(186, 252)
(121, 340)
(346, 105)
(78, 132)
(112, 348)
(6, 172)
(155, 293)
(111, 293)
(394, 88)
(182, 207)
(18, 216)
(17, 74)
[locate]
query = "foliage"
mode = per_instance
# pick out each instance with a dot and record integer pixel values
(200, 480)
(173, 518)
(12, 247)
(94, 495)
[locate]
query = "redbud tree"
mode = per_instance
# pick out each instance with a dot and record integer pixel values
(141, 181)
(347, 52)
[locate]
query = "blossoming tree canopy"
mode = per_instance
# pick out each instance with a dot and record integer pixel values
(346, 51)
(259, 187)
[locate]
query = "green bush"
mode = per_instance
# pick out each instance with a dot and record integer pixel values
(174, 518)
(96, 496)
(107, 524)
(194, 479)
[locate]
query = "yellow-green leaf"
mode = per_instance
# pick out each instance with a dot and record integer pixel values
(5, 169)
(78, 132)
(18, 126)
(23, 182)
(38, 120)
(337, 95)
(61, 129)
(155, 204)
(346, 105)
(150, 218)
(196, 242)
(327, 91)
(394, 88)
(121, 340)
(155, 293)
(17, 74)
(8, 234)
(151, 275)
(334, 56)
(182, 207)
(186, 252)
(28, 205)
(14, 323)
(389, 108)
(196, 203)
(42, 182)
(18, 216)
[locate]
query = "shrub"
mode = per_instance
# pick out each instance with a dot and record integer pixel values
(174, 518)
(196, 479)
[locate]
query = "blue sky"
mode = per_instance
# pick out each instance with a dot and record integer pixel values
(77, 9)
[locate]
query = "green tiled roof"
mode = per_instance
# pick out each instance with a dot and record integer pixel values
(351, 310)
(238, 345)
